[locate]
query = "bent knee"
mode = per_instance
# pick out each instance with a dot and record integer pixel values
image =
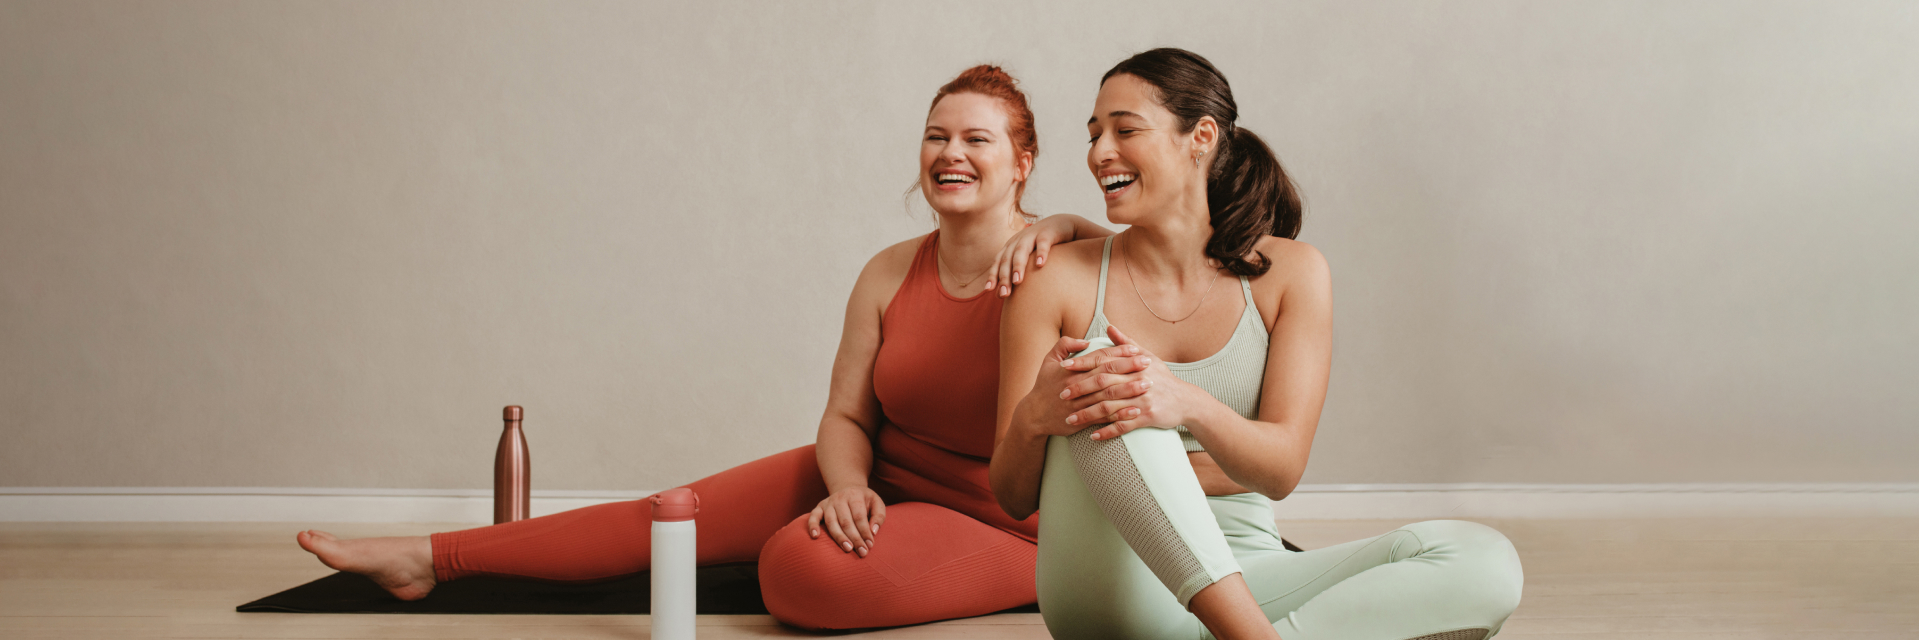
(1485, 560)
(812, 583)
(1459, 532)
(918, 576)
(793, 568)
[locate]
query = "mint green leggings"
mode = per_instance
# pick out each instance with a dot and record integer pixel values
(1128, 537)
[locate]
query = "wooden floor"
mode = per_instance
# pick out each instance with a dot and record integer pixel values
(1584, 579)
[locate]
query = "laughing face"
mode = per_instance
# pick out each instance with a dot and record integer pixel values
(1142, 160)
(967, 162)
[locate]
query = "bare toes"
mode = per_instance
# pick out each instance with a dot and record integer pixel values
(307, 541)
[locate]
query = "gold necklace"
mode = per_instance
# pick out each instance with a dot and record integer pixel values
(1149, 308)
(940, 256)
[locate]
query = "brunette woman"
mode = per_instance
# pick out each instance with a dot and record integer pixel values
(1155, 451)
(904, 441)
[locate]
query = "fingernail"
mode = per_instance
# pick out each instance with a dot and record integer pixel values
(876, 529)
(1041, 260)
(815, 533)
(862, 552)
(989, 285)
(1132, 350)
(847, 545)
(1145, 384)
(1065, 393)
(1072, 419)
(1004, 291)
(1017, 277)
(1095, 436)
(1066, 363)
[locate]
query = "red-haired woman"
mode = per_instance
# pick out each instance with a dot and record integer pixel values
(904, 442)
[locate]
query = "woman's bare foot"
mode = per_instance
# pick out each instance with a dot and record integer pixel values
(403, 566)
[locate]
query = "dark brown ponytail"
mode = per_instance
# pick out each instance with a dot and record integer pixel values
(1247, 191)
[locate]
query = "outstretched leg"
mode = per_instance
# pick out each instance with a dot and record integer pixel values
(401, 565)
(739, 509)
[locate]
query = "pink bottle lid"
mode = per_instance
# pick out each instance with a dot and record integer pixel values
(675, 505)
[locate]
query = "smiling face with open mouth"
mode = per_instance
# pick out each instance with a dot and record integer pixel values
(967, 161)
(1143, 162)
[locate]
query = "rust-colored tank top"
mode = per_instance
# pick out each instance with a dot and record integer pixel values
(937, 380)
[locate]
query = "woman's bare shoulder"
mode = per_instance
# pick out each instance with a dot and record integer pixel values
(1078, 255)
(897, 258)
(1299, 273)
(885, 271)
(1291, 259)
(1059, 293)
(1067, 265)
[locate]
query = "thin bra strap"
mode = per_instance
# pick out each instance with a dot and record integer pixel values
(1251, 315)
(1105, 259)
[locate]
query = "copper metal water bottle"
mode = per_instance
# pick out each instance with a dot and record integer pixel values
(512, 472)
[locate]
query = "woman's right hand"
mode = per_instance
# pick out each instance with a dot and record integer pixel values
(1031, 243)
(1046, 408)
(851, 516)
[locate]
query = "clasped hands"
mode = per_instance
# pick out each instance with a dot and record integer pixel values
(1123, 387)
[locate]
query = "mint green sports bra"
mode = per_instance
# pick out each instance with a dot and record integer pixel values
(1233, 375)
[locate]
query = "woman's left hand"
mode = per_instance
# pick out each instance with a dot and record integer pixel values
(1151, 397)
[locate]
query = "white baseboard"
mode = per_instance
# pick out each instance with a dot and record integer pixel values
(1435, 501)
(1309, 502)
(275, 504)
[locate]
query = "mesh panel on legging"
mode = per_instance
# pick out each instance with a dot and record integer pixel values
(1123, 496)
(1461, 634)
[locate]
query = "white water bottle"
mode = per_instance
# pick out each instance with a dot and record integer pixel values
(673, 563)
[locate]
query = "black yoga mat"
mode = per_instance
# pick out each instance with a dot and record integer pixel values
(732, 589)
(722, 590)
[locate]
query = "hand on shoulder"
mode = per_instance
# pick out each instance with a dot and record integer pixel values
(1067, 263)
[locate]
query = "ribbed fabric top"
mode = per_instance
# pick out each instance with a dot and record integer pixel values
(937, 372)
(937, 380)
(1233, 375)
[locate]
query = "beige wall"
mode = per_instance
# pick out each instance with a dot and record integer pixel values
(306, 244)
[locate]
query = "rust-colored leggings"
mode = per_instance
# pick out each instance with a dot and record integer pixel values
(932, 563)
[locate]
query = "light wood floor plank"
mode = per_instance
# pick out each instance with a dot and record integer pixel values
(1681, 579)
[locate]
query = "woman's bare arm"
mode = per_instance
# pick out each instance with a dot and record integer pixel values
(1212, 479)
(1269, 454)
(1034, 341)
(852, 418)
(1030, 328)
